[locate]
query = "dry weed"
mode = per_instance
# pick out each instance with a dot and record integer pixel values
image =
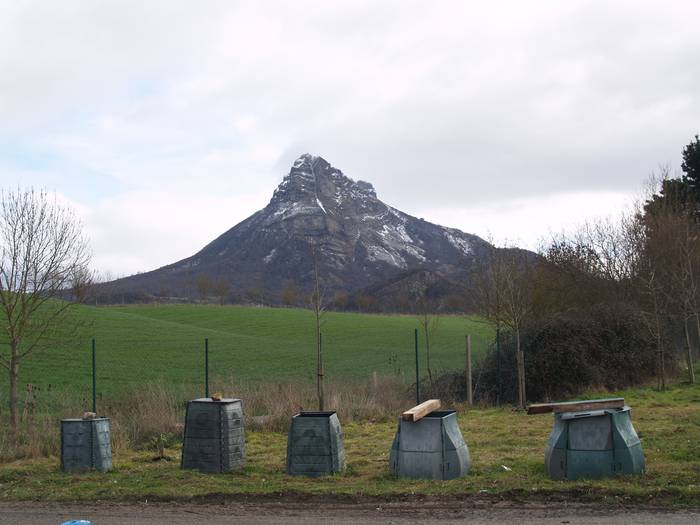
(157, 410)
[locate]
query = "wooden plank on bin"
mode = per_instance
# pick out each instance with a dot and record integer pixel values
(422, 410)
(577, 406)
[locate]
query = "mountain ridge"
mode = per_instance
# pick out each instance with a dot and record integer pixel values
(360, 243)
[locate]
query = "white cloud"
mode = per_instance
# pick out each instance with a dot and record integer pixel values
(529, 221)
(140, 231)
(448, 106)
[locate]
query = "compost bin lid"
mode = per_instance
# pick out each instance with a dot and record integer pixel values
(210, 400)
(592, 413)
(440, 413)
(308, 413)
(72, 419)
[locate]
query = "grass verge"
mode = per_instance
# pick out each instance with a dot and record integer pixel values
(668, 424)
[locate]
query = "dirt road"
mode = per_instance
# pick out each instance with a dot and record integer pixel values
(403, 512)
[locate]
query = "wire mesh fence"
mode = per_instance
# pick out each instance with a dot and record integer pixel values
(59, 375)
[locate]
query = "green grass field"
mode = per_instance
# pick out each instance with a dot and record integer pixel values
(137, 344)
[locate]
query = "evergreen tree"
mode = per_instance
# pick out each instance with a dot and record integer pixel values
(691, 166)
(680, 194)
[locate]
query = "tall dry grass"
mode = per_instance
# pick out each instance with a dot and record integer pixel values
(38, 432)
(155, 412)
(269, 407)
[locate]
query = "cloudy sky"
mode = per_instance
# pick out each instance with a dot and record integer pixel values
(166, 123)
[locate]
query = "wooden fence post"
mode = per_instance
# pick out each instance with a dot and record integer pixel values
(470, 395)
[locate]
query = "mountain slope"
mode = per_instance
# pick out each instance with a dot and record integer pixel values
(360, 241)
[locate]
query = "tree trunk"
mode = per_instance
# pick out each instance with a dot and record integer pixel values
(521, 370)
(697, 326)
(522, 377)
(498, 363)
(14, 369)
(689, 355)
(660, 352)
(319, 364)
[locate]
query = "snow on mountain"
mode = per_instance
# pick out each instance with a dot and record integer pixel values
(359, 239)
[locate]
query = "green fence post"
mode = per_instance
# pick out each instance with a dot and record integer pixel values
(498, 365)
(415, 333)
(94, 379)
(206, 367)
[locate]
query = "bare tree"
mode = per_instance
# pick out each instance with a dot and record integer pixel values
(427, 311)
(162, 293)
(672, 239)
(615, 250)
(204, 286)
(365, 302)
(256, 292)
(318, 306)
(649, 280)
(341, 300)
(103, 286)
(289, 293)
(429, 320)
(44, 255)
(618, 262)
(82, 284)
(654, 315)
(683, 280)
(505, 296)
(222, 288)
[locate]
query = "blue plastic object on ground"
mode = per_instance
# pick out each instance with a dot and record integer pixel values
(77, 522)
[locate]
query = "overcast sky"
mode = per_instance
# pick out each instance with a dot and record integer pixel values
(166, 123)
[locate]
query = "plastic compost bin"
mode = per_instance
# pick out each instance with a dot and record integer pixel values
(315, 444)
(593, 444)
(431, 448)
(214, 438)
(86, 444)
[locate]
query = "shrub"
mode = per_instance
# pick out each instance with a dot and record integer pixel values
(568, 354)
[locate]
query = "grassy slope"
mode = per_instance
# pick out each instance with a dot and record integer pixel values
(141, 343)
(668, 424)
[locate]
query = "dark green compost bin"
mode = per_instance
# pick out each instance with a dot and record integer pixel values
(86, 444)
(214, 439)
(593, 444)
(430, 448)
(315, 444)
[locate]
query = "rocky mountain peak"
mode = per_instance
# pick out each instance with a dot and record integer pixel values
(362, 241)
(314, 186)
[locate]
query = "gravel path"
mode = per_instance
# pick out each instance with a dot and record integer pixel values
(37, 513)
